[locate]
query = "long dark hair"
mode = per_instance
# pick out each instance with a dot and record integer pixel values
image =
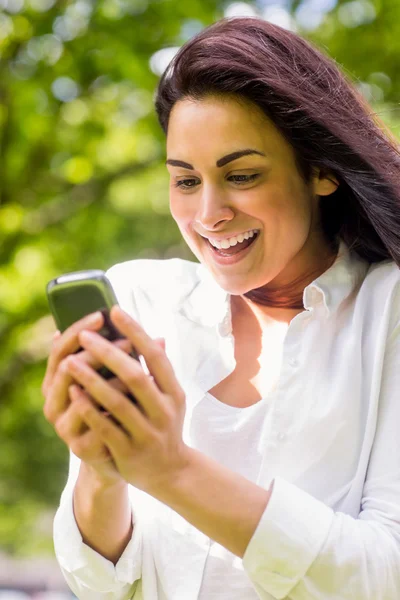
(320, 113)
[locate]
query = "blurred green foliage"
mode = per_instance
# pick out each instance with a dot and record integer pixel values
(83, 182)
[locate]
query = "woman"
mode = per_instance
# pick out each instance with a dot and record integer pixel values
(263, 456)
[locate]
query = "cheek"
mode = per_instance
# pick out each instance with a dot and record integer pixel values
(181, 212)
(297, 197)
(176, 205)
(178, 213)
(181, 217)
(285, 202)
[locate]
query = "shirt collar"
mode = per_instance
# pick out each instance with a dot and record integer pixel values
(209, 304)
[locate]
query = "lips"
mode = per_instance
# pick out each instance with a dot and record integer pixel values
(228, 261)
(239, 247)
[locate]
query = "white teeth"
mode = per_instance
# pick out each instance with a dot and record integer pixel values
(233, 240)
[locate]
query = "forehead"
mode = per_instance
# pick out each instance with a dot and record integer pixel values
(225, 124)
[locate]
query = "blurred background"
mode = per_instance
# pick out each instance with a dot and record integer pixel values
(83, 186)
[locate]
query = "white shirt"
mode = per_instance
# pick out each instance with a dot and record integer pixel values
(233, 437)
(330, 440)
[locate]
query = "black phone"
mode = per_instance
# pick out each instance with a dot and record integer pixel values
(72, 296)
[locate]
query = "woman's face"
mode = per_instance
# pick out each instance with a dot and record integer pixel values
(213, 197)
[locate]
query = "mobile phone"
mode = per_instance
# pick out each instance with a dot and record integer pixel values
(72, 296)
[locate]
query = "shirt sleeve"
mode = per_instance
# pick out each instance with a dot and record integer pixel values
(89, 575)
(303, 550)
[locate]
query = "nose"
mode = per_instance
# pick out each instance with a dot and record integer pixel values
(214, 208)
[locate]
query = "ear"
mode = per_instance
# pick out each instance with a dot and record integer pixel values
(324, 182)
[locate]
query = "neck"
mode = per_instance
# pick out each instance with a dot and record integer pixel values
(288, 296)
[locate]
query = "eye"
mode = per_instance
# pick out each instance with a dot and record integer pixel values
(186, 184)
(241, 179)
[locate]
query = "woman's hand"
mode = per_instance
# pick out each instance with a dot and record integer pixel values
(63, 415)
(147, 448)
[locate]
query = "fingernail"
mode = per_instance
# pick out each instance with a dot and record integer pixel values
(87, 336)
(73, 362)
(121, 313)
(94, 319)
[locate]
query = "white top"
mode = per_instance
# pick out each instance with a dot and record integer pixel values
(329, 439)
(233, 437)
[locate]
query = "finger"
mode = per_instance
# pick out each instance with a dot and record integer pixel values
(70, 424)
(156, 360)
(83, 441)
(161, 342)
(78, 436)
(130, 372)
(91, 360)
(115, 383)
(57, 396)
(86, 443)
(68, 343)
(111, 399)
(112, 434)
(119, 385)
(75, 396)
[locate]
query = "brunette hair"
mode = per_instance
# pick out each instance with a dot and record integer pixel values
(319, 112)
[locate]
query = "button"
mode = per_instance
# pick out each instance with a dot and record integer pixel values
(293, 362)
(281, 436)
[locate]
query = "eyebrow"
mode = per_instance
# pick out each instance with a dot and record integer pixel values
(220, 162)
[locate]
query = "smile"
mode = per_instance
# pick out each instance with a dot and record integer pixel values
(233, 254)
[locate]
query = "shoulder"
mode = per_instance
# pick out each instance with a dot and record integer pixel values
(383, 276)
(386, 272)
(165, 281)
(382, 289)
